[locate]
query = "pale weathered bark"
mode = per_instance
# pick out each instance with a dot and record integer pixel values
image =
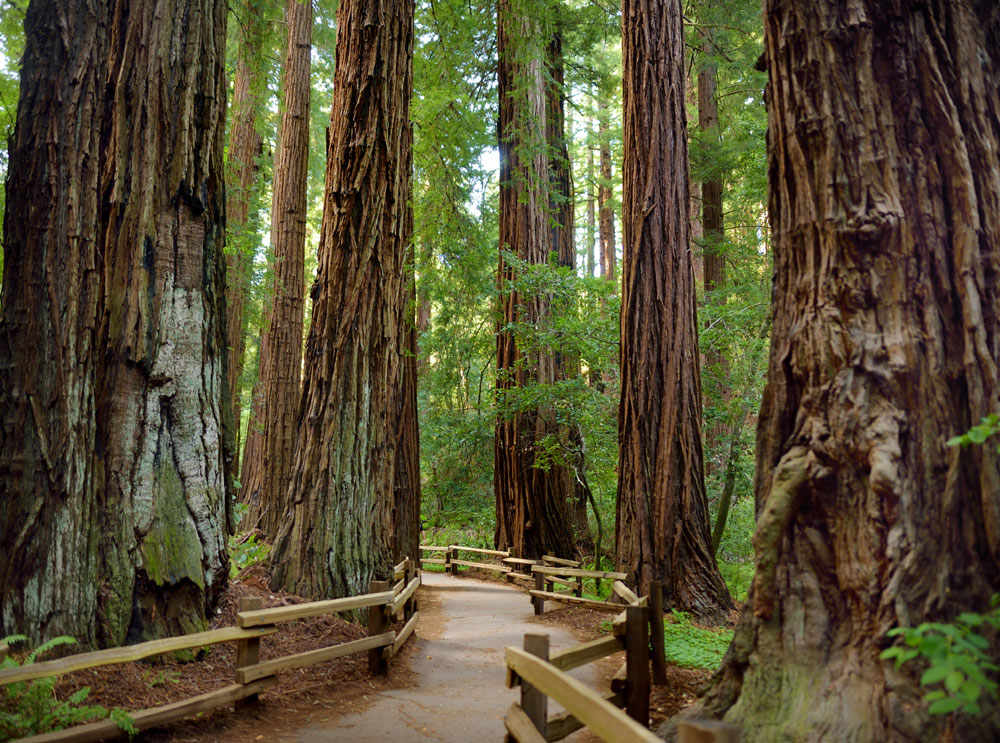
(338, 528)
(530, 501)
(884, 200)
(241, 175)
(267, 463)
(162, 394)
(662, 528)
(48, 478)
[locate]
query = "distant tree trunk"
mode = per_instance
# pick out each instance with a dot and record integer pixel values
(51, 278)
(713, 259)
(605, 194)
(561, 230)
(406, 506)
(883, 199)
(425, 266)
(162, 402)
(241, 175)
(338, 528)
(662, 528)
(530, 501)
(271, 442)
(591, 207)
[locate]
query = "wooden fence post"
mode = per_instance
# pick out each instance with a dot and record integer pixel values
(637, 659)
(3, 651)
(448, 567)
(378, 623)
(706, 731)
(656, 631)
(534, 703)
(412, 571)
(248, 651)
(537, 601)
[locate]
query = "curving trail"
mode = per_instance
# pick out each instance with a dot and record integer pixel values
(458, 694)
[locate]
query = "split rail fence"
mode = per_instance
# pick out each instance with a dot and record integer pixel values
(385, 601)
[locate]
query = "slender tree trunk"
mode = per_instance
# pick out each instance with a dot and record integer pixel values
(48, 477)
(530, 501)
(241, 175)
(591, 206)
(714, 261)
(338, 528)
(271, 442)
(606, 210)
(662, 529)
(883, 149)
(162, 401)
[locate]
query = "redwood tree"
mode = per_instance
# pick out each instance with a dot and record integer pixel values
(884, 200)
(162, 395)
(48, 324)
(662, 527)
(271, 440)
(531, 510)
(605, 205)
(338, 528)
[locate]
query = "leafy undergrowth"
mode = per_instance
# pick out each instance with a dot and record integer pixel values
(690, 646)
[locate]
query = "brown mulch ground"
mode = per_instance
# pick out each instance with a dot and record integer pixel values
(301, 696)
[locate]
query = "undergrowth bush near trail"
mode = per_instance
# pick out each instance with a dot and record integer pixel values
(31, 707)
(689, 646)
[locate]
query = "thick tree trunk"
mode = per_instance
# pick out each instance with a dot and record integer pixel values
(48, 478)
(162, 400)
(271, 442)
(884, 150)
(605, 205)
(662, 528)
(338, 528)
(530, 501)
(241, 175)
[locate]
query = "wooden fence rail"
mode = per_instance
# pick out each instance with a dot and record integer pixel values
(252, 676)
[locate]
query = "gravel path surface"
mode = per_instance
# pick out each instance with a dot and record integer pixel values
(459, 694)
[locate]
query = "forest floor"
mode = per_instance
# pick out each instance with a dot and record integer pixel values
(446, 685)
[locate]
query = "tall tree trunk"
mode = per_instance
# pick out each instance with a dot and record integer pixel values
(241, 175)
(714, 261)
(605, 194)
(162, 401)
(48, 479)
(271, 442)
(338, 528)
(530, 501)
(561, 231)
(883, 149)
(591, 206)
(662, 528)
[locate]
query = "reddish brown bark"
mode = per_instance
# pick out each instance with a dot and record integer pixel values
(48, 478)
(662, 528)
(241, 175)
(271, 441)
(162, 396)
(883, 149)
(530, 501)
(605, 195)
(338, 529)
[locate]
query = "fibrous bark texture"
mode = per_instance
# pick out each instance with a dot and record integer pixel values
(48, 482)
(267, 463)
(605, 206)
(884, 155)
(662, 527)
(244, 148)
(530, 501)
(337, 534)
(162, 395)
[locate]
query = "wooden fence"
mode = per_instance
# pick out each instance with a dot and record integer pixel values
(385, 601)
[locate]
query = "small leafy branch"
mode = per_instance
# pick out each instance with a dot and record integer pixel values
(990, 426)
(31, 708)
(958, 658)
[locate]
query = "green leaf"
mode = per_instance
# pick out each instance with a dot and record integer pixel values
(953, 681)
(977, 435)
(933, 675)
(944, 706)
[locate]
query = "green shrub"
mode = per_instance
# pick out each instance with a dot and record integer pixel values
(688, 646)
(31, 707)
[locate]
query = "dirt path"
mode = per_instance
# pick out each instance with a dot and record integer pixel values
(458, 694)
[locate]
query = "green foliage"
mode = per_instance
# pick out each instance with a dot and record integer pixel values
(31, 707)
(957, 654)
(244, 549)
(689, 646)
(159, 678)
(989, 426)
